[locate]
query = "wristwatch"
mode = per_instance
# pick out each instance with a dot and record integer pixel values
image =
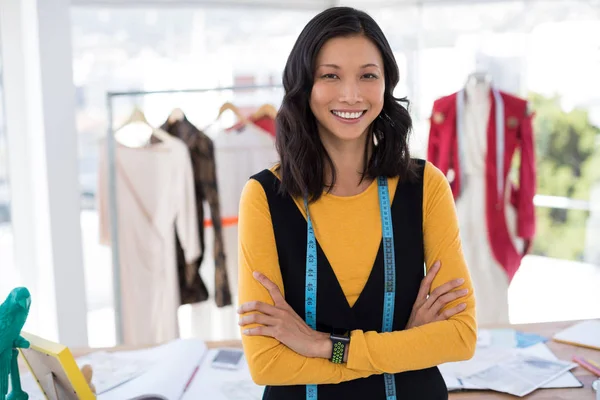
(338, 348)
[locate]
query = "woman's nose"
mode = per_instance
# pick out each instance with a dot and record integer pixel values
(350, 93)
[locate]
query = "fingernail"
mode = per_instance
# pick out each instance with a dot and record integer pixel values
(462, 306)
(436, 264)
(246, 331)
(256, 274)
(460, 281)
(463, 292)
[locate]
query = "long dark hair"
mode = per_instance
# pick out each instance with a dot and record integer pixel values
(303, 157)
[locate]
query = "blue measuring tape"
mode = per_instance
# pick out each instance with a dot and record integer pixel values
(310, 289)
(310, 305)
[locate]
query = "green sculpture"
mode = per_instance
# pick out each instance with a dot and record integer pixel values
(13, 314)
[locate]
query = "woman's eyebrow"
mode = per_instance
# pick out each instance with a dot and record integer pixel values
(338, 67)
(330, 65)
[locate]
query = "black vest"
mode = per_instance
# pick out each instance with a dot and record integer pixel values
(334, 314)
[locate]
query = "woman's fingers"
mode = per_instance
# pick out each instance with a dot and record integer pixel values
(260, 331)
(444, 315)
(442, 290)
(259, 306)
(261, 319)
(446, 299)
(273, 289)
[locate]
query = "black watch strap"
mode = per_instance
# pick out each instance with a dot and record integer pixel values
(338, 348)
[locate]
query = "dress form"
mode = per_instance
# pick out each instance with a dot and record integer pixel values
(489, 278)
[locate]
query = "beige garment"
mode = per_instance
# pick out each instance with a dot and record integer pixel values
(155, 192)
(239, 154)
(490, 281)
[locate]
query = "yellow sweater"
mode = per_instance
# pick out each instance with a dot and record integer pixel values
(352, 257)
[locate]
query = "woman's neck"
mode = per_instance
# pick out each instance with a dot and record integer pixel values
(348, 159)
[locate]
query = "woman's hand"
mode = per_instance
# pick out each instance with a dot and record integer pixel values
(281, 322)
(427, 309)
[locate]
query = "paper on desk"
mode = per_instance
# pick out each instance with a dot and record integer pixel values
(174, 364)
(221, 384)
(483, 358)
(520, 375)
(113, 369)
(586, 334)
(566, 380)
(455, 374)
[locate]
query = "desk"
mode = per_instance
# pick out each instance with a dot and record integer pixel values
(562, 351)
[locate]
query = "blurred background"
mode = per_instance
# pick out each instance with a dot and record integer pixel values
(59, 59)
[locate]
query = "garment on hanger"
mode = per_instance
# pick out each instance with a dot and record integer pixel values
(474, 135)
(155, 192)
(201, 150)
(239, 155)
(267, 124)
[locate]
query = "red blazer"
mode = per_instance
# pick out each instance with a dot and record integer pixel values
(443, 152)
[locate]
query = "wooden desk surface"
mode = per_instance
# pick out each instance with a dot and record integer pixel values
(562, 351)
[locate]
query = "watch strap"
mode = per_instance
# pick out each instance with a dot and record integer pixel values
(338, 347)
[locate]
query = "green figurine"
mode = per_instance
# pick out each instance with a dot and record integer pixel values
(13, 314)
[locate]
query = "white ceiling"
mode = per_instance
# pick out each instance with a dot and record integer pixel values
(288, 4)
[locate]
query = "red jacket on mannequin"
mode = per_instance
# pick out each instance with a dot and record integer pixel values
(443, 152)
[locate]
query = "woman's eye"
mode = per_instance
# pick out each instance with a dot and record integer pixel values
(370, 76)
(329, 76)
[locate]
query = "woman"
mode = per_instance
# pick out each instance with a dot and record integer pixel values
(376, 334)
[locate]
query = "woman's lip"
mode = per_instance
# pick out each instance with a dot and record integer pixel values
(349, 121)
(349, 111)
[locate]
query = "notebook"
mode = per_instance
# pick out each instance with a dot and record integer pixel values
(584, 334)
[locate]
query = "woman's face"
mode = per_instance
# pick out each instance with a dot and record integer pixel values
(348, 90)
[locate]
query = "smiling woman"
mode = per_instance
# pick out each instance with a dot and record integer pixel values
(332, 241)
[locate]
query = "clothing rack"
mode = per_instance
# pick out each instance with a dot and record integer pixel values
(110, 146)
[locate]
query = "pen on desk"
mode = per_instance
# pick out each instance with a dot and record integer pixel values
(587, 364)
(189, 382)
(595, 364)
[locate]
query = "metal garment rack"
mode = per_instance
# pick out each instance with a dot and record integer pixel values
(110, 146)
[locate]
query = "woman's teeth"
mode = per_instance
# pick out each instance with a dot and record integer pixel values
(349, 115)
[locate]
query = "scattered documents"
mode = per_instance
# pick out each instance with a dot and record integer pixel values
(513, 351)
(520, 375)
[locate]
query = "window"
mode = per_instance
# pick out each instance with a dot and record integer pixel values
(7, 267)
(156, 49)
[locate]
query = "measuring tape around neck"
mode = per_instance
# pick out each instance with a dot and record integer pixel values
(310, 305)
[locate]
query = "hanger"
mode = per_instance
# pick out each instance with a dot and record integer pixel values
(236, 111)
(266, 110)
(137, 118)
(175, 116)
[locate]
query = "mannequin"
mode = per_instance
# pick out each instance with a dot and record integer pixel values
(489, 278)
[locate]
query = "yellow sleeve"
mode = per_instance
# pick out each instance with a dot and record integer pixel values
(439, 342)
(270, 362)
